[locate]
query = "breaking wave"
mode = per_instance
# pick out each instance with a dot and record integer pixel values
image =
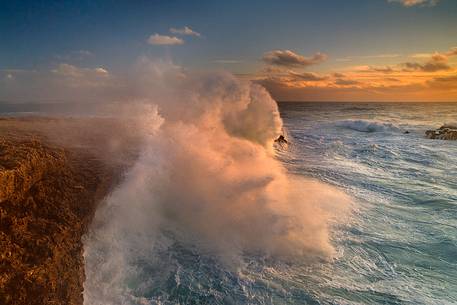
(206, 179)
(367, 126)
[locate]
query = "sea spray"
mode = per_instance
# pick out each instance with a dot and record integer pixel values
(367, 125)
(207, 179)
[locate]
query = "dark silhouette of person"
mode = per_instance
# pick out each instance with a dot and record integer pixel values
(281, 140)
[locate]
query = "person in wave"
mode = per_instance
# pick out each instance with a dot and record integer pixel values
(281, 140)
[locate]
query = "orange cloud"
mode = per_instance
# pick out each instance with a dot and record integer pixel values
(434, 79)
(157, 39)
(352, 90)
(308, 76)
(410, 3)
(444, 82)
(289, 58)
(185, 31)
(431, 66)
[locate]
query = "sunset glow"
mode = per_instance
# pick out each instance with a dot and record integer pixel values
(426, 77)
(382, 50)
(251, 152)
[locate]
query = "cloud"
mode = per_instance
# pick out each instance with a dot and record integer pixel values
(273, 70)
(9, 76)
(386, 69)
(157, 39)
(430, 78)
(342, 79)
(380, 69)
(421, 55)
(360, 90)
(444, 56)
(293, 79)
(452, 52)
(67, 70)
(436, 55)
(410, 3)
(392, 79)
(439, 57)
(64, 83)
(101, 71)
(338, 74)
(307, 76)
(346, 82)
(444, 82)
(436, 62)
(288, 58)
(185, 31)
(431, 66)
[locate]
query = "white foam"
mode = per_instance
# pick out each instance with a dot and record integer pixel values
(367, 125)
(207, 175)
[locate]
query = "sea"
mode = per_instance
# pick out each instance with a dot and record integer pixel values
(400, 245)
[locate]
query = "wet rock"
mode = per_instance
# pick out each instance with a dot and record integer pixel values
(445, 132)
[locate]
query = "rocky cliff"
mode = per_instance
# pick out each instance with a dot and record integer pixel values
(47, 198)
(48, 195)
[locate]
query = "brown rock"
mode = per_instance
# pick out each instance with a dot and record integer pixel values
(48, 194)
(445, 132)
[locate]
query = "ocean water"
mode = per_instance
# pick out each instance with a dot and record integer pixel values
(398, 247)
(401, 246)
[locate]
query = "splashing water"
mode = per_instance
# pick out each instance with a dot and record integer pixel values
(207, 202)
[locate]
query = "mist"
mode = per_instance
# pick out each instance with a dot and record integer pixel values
(206, 177)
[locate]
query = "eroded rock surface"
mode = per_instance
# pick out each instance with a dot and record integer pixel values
(445, 132)
(49, 191)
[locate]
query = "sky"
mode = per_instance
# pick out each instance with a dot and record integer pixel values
(326, 50)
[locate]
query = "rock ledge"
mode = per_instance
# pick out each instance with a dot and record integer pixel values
(47, 199)
(445, 132)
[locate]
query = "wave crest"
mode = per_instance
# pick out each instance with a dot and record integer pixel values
(206, 177)
(367, 125)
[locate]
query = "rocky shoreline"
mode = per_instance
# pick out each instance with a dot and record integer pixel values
(49, 191)
(445, 132)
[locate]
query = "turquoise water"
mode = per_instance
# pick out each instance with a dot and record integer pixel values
(398, 247)
(401, 247)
